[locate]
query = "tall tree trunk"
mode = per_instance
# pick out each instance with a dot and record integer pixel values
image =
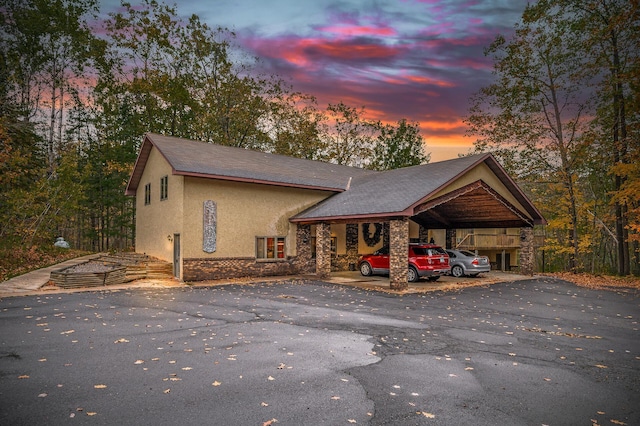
(620, 153)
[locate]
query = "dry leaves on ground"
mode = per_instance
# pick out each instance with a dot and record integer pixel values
(598, 281)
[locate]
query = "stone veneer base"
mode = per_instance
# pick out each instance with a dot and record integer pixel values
(225, 268)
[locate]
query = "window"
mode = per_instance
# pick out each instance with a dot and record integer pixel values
(270, 247)
(147, 194)
(164, 188)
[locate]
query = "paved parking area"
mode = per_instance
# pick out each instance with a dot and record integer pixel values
(527, 352)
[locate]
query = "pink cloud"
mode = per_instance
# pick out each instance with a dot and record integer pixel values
(351, 30)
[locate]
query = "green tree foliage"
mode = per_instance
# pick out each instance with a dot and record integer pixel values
(48, 46)
(177, 78)
(46, 51)
(559, 117)
(350, 136)
(398, 146)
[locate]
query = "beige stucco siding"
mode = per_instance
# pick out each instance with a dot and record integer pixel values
(157, 222)
(484, 173)
(244, 211)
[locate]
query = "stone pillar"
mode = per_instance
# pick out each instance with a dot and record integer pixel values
(398, 253)
(423, 234)
(352, 244)
(323, 250)
(451, 239)
(385, 234)
(527, 252)
(304, 262)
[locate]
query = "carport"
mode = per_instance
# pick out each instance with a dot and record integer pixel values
(468, 192)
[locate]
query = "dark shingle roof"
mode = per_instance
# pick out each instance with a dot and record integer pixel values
(392, 191)
(357, 193)
(194, 158)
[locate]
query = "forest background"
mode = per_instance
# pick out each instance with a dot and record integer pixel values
(562, 116)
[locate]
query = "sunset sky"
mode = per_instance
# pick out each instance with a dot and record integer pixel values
(414, 59)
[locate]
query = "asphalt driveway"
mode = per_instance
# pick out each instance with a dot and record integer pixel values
(528, 352)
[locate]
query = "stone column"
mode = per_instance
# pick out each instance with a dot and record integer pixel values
(385, 234)
(352, 244)
(323, 249)
(423, 234)
(303, 250)
(451, 239)
(527, 252)
(398, 253)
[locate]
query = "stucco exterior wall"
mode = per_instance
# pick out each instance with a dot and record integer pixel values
(157, 222)
(244, 212)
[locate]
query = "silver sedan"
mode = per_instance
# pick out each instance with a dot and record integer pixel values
(463, 262)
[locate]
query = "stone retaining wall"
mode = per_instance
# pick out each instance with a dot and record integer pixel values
(202, 269)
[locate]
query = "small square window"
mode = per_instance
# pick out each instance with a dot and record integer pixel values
(164, 187)
(147, 194)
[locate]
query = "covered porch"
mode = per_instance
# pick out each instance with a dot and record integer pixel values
(480, 196)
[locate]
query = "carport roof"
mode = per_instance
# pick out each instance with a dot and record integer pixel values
(410, 192)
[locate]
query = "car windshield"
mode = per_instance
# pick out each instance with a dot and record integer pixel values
(468, 253)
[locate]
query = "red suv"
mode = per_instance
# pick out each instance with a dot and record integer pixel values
(425, 260)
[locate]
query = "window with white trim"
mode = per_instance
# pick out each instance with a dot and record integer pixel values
(271, 248)
(147, 194)
(164, 187)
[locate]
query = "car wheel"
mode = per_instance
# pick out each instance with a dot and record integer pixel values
(365, 269)
(412, 275)
(434, 278)
(457, 271)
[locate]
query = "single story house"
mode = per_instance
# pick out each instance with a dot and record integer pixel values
(222, 212)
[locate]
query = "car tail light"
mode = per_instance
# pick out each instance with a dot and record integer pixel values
(475, 262)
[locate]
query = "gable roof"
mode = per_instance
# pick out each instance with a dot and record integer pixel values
(399, 192)
(358, 194)
(194, 158)
(389, 192)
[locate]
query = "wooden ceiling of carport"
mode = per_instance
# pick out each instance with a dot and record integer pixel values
(473, 206)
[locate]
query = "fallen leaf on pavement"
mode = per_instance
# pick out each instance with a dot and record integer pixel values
(121, 340)
(100, 386)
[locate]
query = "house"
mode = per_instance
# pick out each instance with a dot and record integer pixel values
(222, 212)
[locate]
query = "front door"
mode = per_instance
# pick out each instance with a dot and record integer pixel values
(176, 255)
